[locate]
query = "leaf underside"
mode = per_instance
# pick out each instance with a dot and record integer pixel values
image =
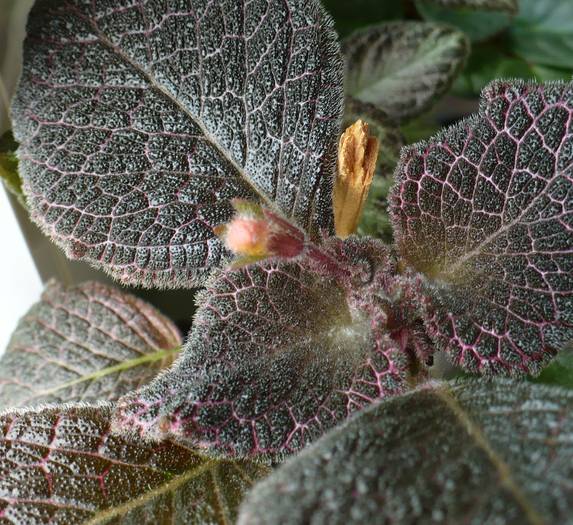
(509, 6)
(84, 343)
(403, 67)
(64, 466)
(485, 210)
(140, 121)
(478, 452)
(278, 354)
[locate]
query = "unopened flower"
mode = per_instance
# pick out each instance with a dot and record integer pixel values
(357, 155)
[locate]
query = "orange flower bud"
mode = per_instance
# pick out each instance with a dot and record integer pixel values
(357, 155)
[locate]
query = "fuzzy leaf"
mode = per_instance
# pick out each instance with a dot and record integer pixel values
(278, 354)
(509, 6)
(64, 466)
(9, 167)
(485, 210)
(140, 121)
(403, 67)
(478, 452)
(84, 343)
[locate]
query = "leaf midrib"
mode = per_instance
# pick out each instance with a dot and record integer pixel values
(170, 486)
(209, 137)
(445, 395)
(98, 374)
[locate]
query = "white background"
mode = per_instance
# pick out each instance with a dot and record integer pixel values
(20, 284)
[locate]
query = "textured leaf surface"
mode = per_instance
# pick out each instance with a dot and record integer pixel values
(485, 210)
(278, 354)
(88, 342)
(63, 466)
(402, 67)
(543, 34)
(473, 453)
(140, 121)
(9, 167)
(511, 6)
(477, 25)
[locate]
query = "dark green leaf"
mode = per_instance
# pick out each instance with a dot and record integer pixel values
(478, 25)
(84, 343)
(473, 452)
(9, 167)
(560, 370)
(490, 61)
(542, 33)
(403, 67)
(485, 211)
(349, 16)
(64, 466)
(139, 123)
(509, 6)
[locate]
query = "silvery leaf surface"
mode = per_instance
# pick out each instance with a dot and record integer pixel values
(84, 343)
(485, 211)
(139, 121)
(475, 452)
(280, 352)
(63, 466)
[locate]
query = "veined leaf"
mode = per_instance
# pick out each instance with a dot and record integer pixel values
(139, 122)
(63, 465)
(476, 452)
(485, 210)
(509, 6)
(281, 352)
(403, 67)
(9, 167)
(83, 343)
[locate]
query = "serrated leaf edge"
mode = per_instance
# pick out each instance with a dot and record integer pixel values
(487, 94)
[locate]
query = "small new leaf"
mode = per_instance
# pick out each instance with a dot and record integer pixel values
(403, 67)
(475, 452)
(84, 343)
(139, 124)
(63, 465)
(485, 210)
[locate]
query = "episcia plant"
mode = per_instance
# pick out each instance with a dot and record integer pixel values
(198, 143)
